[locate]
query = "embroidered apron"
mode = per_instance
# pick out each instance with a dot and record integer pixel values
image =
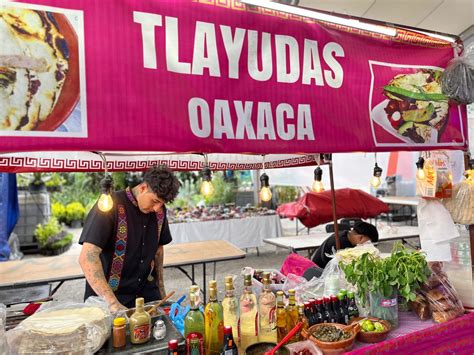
(121, 241)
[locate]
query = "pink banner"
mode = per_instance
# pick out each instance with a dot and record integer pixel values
(212, 76)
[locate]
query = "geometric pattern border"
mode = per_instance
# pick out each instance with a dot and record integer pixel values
(29, 164)
(403, 35)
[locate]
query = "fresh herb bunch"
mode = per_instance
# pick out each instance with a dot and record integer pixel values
(404, 270)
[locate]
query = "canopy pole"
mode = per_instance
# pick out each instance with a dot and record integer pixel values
(333, 198)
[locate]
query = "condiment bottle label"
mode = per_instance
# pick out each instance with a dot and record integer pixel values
(141, 332)
(195, 343)
(388, 303)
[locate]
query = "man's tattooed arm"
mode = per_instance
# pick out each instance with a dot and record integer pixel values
(92, 267)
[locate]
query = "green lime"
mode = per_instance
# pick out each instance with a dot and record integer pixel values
(370, 327)
(379, 327)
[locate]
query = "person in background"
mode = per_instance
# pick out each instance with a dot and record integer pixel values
(122, 249)
(360, 234)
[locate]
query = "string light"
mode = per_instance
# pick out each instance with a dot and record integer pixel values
(105, 202)
(420, 172)
(317, 183)
(207, 189)
(376, 180)
(265, 192)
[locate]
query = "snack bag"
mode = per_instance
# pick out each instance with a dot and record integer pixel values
(439, 293)
(437, 182)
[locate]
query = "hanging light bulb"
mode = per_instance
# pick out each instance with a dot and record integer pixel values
(376, 180)
(206, 187)
(317, 183)
(265, 192)
(420, 172)
(105, 202)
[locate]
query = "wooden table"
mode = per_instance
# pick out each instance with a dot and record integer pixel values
(22, 277)
(314, 240)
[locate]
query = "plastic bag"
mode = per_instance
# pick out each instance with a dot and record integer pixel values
(333, 278)
(457, 81)
(461, 205)
(296, 264)
(14, 243)
(293, 281)
(441, 296)
(63, 328)
(3, 338)
(313, 288)
(306, 347)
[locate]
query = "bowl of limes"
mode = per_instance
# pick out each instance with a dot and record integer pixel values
(372, 330)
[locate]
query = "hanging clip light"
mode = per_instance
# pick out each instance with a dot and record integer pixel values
(105, 202)
(207, 189)
(318, 177)
(376, 180)
(420, 172)
(265, 192)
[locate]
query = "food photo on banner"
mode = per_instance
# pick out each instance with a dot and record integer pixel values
(220, 79)
(170, 88)
(42, 71)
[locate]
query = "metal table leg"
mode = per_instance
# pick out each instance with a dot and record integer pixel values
(204, 281)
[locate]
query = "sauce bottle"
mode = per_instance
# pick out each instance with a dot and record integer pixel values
(119, 333)
(140, 323)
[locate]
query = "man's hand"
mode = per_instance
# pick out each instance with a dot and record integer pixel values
(92, 267)
(160, 282)
(116, 307)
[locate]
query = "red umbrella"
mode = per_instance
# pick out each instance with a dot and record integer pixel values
(314, 208)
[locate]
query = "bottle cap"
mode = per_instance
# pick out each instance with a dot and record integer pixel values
(229, 279)
(229, 286)
(213, 284)
(350, 294)
(280, 293)
(343, 291)
(291, 292)
(159, 323)
(340, 296)
(194, 288)
(119, 321)
(333, 298)
(173, 344)
(248, 280)
(140, 301)
(227, 330)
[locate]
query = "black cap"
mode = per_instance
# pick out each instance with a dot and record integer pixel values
(367, 229)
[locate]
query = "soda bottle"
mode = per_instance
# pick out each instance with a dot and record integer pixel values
(308, 313)
(319, 318)
(173, 347)
(229, 348)
(352, 308)
(337, 309)
(329, 315)
(343, 306)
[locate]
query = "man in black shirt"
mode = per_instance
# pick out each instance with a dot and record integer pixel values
(362, 233)
(122, 249)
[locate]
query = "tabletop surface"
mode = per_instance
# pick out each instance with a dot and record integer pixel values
(66, 267)
(401, 200)
(314, 240)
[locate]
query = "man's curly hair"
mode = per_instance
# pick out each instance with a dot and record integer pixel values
(162, 182)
